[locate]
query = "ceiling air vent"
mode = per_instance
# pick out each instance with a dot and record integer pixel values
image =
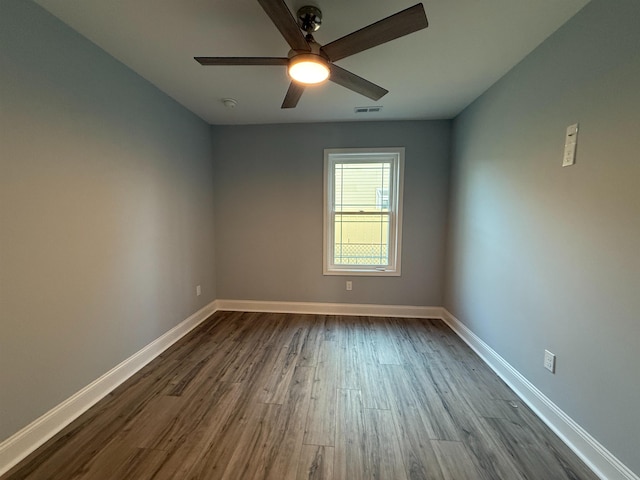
(367, 109)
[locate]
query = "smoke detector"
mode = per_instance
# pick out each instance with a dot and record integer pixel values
(230, 102)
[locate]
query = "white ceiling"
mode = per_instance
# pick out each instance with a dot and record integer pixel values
(430, 74)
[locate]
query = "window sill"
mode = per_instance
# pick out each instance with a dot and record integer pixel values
(363, 272)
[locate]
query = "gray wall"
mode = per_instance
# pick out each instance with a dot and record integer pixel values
(541, 256)
(106, 213)
(268, 196)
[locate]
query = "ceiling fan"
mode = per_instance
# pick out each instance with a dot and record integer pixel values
(310, 63)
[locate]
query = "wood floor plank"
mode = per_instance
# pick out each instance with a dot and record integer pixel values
(367, 445)
(199, 336)
(428, 400)
(252, 444)
(478, 398)
(419, 459)
(454, 460)
(244, 417)
(349, 398)
(533, 458)
(321, 419)
(275, 442)
(348, 337)
(291, 342)
(309, 352)
(517, 412)
(241, 360)
(290, 426)
(178, 387)
(385, 345)
(259, 368)
(405, 335)
(413, 433)
(190, 454)
(383, 455)
(120, 461)
(173, 420)
(142, 465)
(278, 379)
(369, 373)
(488, 454)
(488, 379)
(425, 336)
(155, 426)
(350, 450)
(331, 327)
(222, 447)
(316, 463)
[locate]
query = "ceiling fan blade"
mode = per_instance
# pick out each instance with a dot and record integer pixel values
(242, 60)
(402, 23)
(357, 84)
(283, 19)
(293, 95)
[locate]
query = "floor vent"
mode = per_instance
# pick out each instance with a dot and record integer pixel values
(367, 109)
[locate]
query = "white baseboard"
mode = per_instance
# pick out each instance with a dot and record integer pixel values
(370, 310)
(27, 440)
(598, 458)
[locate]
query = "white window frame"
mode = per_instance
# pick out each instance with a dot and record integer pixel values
(396, 184)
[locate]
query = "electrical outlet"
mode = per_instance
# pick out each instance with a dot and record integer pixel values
(549, 361)
(198, 290)
(349, 285)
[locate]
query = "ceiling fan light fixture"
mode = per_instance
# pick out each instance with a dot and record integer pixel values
(308, 68)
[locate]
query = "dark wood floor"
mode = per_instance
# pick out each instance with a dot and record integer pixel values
(274, 396)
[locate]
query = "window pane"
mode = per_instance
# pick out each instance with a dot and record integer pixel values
(361, 239)
(362, 187)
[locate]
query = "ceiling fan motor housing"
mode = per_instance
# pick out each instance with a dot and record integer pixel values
(309, 18)
(314, 50)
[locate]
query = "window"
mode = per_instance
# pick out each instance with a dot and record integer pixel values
(363, 211)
